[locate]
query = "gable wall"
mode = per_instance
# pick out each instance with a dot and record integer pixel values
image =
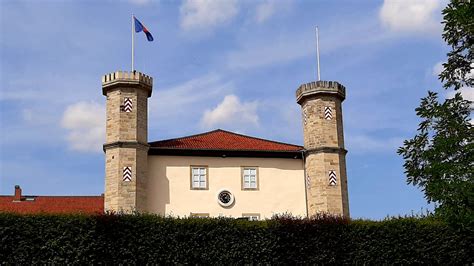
(281, 186)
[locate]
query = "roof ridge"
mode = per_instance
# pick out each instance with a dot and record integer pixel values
(252, 137)
(230, 132)
(186, 137)
(219, 149)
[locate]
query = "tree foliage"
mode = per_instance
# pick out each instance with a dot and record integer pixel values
(459, 34)
(440, 158)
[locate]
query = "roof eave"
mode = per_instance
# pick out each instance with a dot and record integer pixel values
(225, 153)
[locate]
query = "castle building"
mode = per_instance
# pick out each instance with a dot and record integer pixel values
(220, 173)
(212, 174)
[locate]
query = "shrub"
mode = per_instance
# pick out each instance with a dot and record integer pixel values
(141, 239)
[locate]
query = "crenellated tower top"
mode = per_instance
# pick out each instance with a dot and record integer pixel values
(131, 79)
(319, 88)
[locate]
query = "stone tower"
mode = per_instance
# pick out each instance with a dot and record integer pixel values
(126, 144)
(325, 156)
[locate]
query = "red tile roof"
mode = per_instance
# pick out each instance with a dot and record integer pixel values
(224, 140)
(53, 204)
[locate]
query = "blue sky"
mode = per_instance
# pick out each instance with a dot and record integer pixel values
(222, 64)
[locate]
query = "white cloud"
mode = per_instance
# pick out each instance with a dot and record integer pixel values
(207, 14)
(255, 51)
(188, 97)
(466, 92)
(259, 53)
(281, 120)
(39, 115)
(362, 143)
(470, 75)
(86, 124)
(232, 113)
(264, 11)
(140, 2)
(411, 15)
(185, 102)
(28, 115)
(437, 69)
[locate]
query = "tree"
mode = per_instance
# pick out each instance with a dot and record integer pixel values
(440, 158)
(458, 23)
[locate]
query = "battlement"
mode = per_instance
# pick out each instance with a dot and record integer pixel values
(320, 87)
(120, 78)
(126, 76)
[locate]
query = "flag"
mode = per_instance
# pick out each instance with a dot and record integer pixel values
(139, 27)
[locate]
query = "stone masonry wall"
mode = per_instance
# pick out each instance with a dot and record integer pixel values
(111, 179)
(318, 131)
(126, 141)
(323, 197)
(123, 126)
(324, 145)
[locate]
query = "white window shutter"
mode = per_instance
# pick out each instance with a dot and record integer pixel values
(127, 105)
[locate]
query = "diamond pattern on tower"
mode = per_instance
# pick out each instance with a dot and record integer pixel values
(127, 174)
(332, 178)
(328, 113)
(305, 116)
(127, 105)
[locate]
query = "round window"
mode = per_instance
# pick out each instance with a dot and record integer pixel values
(225, 198)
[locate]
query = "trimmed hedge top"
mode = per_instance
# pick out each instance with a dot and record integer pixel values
(141, 239)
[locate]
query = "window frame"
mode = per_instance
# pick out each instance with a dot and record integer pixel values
(228, 204)
(248, 215)
(191, 167)
(242, 178)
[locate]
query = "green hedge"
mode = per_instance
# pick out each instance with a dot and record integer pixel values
(141, 239)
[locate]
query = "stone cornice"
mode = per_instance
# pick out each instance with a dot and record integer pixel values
(126, 144)
(325, 150)
(225, 153)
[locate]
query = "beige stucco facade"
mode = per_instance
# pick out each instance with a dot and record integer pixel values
(281, 187)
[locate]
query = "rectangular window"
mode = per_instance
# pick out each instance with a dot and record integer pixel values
(199, 215)
(249, 178)
(199, 177)
(251, 216)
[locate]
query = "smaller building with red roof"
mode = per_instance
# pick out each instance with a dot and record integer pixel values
(28, 204)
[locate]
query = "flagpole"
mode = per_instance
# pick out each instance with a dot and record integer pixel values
(317, 52)
(133, 42)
